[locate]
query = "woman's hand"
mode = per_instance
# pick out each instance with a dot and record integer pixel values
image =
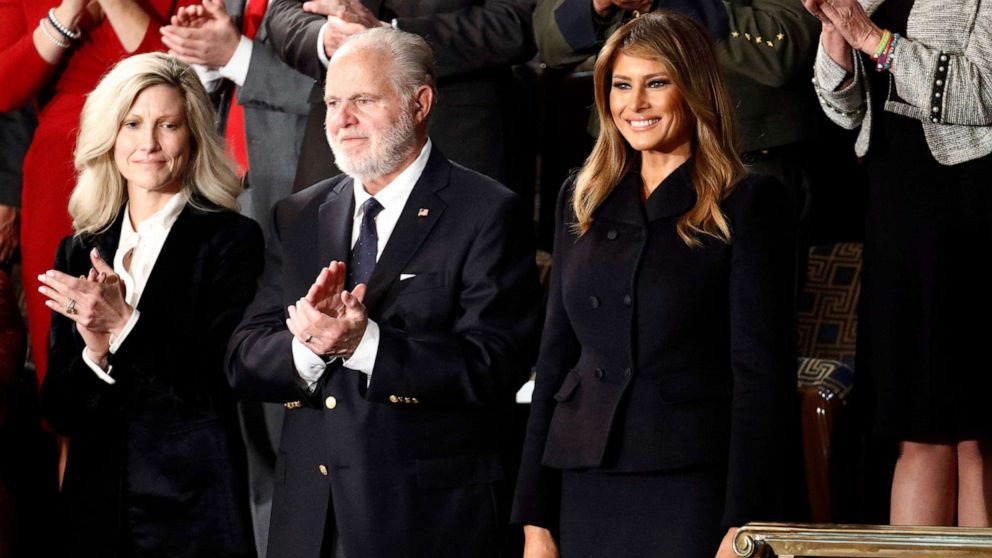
(726, 549)
(834, 43)
(850, 20)
(95, 302)
(538, 543)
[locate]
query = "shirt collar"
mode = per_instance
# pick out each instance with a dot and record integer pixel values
(161, 221)
(397, 190)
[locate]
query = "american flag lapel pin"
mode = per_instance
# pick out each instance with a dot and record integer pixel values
(423, 212)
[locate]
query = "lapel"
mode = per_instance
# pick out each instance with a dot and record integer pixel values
(674, 196)
(411, 228)
(334, 220)
(107, 241)
(173, 261)
(624, 202)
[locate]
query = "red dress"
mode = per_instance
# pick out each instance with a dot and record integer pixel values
(60, 90)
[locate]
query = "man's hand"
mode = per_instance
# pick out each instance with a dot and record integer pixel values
(202, 35)
(349, 11)
(327, 336)
(9, 217)
(325, 293)
(344, 19)
(604, 7)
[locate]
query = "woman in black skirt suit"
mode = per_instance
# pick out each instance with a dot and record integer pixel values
(666, 377)
(915, 76)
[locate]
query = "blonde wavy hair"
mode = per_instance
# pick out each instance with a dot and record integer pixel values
(209, 181)
(685, 49)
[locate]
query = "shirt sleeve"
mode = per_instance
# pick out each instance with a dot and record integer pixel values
(236, 68)
(100, 372)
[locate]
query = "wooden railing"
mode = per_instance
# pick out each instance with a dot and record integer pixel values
(792, 540)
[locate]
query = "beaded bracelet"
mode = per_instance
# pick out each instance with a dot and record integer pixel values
(885, 61)
(65, 31)
(59, 41)
(882, 44)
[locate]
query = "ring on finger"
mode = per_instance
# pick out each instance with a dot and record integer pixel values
(70, 306)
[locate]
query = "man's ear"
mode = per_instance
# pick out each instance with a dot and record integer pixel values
(423, 102)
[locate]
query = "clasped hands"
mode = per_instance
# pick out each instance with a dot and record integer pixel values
(95, 302)
(344, 18)
(846, 25)
(202, 34)
(329, 320)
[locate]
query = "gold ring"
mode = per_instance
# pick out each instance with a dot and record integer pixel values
(70, 306)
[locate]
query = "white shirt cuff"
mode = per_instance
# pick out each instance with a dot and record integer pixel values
(321, 55)
(209, 78)
(363, 359)
(117, 340)
(236, 68)
(309, 365)
(100, 372)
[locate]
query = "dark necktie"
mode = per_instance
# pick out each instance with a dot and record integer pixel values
(363, 254)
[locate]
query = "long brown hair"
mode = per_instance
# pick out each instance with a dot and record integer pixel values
(684, 47)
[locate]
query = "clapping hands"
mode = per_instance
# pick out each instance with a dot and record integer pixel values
(329, 320)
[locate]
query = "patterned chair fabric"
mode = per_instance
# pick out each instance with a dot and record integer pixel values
(832, 378)
(828, 318)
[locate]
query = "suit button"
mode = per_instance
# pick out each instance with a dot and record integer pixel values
(594, 302)
(627, 300)
(612, 234)
(330, 402)
(626, 372)
(598, 373)
(394, 399)
(322, 469)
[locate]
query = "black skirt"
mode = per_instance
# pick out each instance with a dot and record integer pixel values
(927, 290)
(665, 514)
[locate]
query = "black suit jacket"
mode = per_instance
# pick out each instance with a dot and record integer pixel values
(156, 458)
(657, 356)
(409, 464)
(474, 42)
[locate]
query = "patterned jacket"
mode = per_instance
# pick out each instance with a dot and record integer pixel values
(941, 75)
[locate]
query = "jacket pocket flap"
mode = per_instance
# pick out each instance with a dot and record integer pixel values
(572, 381)
(462, 470)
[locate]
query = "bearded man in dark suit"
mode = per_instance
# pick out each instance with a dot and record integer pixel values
(399, 367)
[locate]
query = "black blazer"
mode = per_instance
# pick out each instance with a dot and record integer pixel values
(155, 460)
(657, 356)
(411, 461)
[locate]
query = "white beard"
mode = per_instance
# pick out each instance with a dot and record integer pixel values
(385, 153)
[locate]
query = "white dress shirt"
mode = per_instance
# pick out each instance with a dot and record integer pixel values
(235, 70)
(145, 244)
(311, 366)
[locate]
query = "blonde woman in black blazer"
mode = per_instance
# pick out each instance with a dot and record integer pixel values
(145, 296)
(666, 369)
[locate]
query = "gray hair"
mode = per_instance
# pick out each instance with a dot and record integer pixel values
(413, 59)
